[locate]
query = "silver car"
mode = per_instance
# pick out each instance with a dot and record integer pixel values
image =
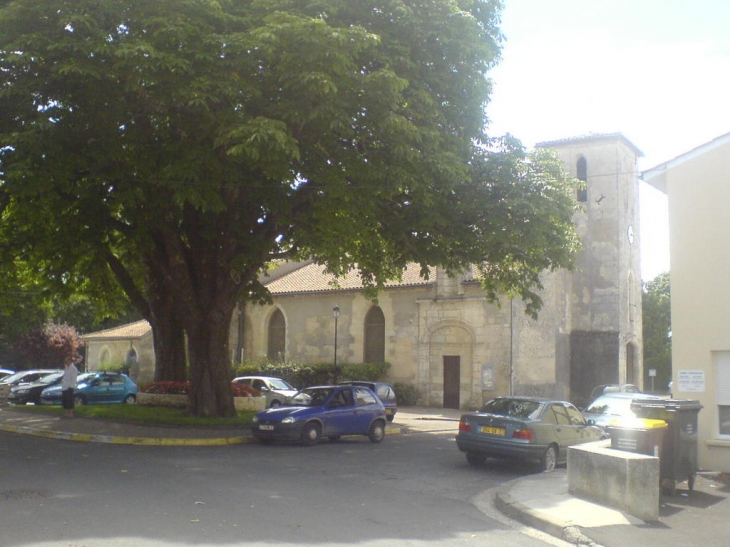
(613, 407)
(276, 390)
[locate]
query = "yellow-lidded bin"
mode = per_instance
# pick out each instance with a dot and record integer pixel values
(640, 435)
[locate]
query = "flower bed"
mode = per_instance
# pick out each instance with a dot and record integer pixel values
(175, 394)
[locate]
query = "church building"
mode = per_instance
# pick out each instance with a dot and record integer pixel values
(443, 337)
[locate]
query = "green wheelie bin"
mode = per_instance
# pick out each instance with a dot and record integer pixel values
(678, 459)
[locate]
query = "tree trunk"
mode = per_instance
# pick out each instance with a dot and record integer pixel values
(169, 342)
(210, 369)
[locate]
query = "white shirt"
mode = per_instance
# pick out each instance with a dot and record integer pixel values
(68, 380)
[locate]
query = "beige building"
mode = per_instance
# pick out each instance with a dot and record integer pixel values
(443, 337)
(697, 185)
(130, 346)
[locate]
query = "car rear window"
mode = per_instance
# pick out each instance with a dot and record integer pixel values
(517, 408)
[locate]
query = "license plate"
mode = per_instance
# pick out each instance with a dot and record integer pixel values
(388, 411)
(266, 427)
(492, 430)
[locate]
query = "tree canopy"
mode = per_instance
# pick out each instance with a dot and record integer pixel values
(175, 148)
(657, 331)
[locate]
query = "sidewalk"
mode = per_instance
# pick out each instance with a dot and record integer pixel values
(691, 519)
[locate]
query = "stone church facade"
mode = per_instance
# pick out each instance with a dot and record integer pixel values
(457, 349)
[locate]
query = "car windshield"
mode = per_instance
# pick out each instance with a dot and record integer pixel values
(85, 377)
(49, 377)
(613, 406)
(311, 396)
(277, 383)
(13, 377)
(518, 408)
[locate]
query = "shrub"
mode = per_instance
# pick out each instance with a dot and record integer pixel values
(168, 388)
(244, 390)
(183, 388)
(312, 374)
(406, 394)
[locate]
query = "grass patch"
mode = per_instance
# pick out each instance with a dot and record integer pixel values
(148, 415)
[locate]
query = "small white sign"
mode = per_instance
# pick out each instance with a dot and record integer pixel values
(652, 372)
(691, 380)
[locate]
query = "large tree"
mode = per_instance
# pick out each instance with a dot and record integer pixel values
(180, 146)
(656, 307)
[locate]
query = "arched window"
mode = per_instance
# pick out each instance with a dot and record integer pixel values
(374, 351)
(277, 336)
(105, 356)
(582, 174)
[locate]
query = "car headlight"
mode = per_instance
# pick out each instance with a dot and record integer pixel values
(288, 420)
(255, 419)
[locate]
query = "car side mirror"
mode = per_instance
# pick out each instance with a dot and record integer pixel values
(591, 422)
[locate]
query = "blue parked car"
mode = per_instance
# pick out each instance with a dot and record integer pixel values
(96, 388)
(323, 411)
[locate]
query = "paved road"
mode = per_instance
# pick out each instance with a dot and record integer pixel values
(411, 490)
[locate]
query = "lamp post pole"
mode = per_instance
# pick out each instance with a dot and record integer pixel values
(336, 313)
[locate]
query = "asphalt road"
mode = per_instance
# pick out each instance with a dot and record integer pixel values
(410, 490)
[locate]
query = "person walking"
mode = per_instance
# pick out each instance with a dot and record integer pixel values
(68, 386)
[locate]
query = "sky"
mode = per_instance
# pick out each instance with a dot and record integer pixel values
(657, 71)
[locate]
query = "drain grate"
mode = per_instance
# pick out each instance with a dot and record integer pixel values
(19, 495)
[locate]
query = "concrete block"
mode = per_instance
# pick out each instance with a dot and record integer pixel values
(623, 480)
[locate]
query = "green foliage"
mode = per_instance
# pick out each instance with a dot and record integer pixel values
(312, 374)
(174, 148)
(364, 371)
(406, 394)
(657, 332)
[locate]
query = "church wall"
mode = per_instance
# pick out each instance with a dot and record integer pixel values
(310, 325)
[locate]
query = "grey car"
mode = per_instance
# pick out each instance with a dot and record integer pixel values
(531, 429)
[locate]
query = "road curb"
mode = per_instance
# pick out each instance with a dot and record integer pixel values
(534, 519)
(115, 439)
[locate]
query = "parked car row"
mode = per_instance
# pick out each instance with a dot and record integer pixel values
(43, 386)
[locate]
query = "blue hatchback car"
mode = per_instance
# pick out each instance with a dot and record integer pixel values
(323, 411)
(96, 388)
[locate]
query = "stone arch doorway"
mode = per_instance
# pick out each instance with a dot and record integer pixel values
(450, 370)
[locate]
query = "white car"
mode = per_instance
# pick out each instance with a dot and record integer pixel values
(276, 390)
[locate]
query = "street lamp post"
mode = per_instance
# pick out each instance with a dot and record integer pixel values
(336, 313)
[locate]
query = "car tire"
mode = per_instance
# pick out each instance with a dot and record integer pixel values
(549, 459)
(130, 399)
(376, 433)
(311, 433)
(475, 459)
(79, 400)
(390, 418)
(275, 403)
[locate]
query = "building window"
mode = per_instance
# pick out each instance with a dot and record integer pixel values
(277, 336)
(374, 351)
(582, 174)
(722, 391)
(105, 357)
